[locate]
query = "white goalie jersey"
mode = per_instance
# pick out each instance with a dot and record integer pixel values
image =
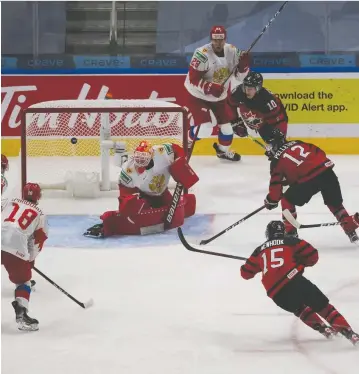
(23, 229)
(212, 69)
(153, 181)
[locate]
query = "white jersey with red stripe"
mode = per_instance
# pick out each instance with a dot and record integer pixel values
(4, 185)
(212, 68)
(23, 229)
(152, 181)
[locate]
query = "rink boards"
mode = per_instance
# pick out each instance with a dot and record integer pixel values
(322, 108)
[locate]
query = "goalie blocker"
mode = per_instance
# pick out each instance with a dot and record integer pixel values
(144, 198)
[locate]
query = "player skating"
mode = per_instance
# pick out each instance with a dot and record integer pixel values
(282, 261)
(207, 87)
(260, 109)
(307, 170)
(23, 233)
(144, 196)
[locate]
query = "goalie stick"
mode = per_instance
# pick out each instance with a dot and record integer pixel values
(190, 247)
(289, 217)
(86, 305)
(178, 190)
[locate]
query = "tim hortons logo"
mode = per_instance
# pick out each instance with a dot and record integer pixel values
(14, 98)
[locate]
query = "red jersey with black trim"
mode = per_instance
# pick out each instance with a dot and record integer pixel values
(296, 162)
(265, 108)
(279, 260)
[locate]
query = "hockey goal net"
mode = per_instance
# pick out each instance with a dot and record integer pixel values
(64, 138)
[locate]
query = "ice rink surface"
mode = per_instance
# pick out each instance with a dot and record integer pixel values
(160, 309)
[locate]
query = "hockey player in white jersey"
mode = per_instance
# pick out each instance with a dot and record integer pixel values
(4, 168)
(207, 89)
(23, 233)
(144, 196)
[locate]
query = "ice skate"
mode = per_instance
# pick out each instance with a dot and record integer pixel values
(352, 336)
(228, 155)
(95, 231)
(326, 331)
(24, 322)
(353, 237)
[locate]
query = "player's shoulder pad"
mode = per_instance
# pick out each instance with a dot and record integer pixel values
(164, 148)
(201, 54)
(291, 241)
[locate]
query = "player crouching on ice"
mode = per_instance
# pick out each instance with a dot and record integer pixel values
(307, 170)
(23, 233)
(144, 196)
(282, 261)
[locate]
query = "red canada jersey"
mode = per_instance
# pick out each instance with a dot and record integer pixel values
(279, 260)
(265, 108)
(296, 162)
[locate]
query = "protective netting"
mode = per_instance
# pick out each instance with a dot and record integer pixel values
(62, 133)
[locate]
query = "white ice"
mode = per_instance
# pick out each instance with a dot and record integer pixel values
(161, 309)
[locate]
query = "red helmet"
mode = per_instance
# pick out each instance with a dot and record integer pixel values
(4, 164)
(32, 192)
(143, 154)
(218, 32)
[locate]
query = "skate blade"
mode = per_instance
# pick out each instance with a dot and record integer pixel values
(24, 327)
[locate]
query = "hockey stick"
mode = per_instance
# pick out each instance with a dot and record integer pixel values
(257, 141)
(178, 190)
(289, 217)
(206, 241)
(193, 249)
(86, 305)
(259, 36)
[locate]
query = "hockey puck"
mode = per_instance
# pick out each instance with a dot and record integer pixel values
(73, 140)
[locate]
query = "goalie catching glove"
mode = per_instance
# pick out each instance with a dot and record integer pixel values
(182, 173)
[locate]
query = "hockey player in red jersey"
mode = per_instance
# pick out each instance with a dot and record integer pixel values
(259, 108)
(282, 261)
(23, 233)
(207, 87)
(144, 196)
(307, 170)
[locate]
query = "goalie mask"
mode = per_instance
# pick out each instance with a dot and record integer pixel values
(274, 230)
(143, 154)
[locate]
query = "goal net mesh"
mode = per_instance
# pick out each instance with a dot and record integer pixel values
(66, 135)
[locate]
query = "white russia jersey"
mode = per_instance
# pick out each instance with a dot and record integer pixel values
(217, 69)
(4, 185)
(154, 181)
(21, 221)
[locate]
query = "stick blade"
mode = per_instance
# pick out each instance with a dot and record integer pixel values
(288, 215)
(88, 304)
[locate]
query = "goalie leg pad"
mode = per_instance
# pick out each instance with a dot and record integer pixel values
(190, 205)
(182, 173)
(131, 205)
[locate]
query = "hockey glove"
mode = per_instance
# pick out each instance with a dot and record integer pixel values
(239, 128)
(270, 204)
(243, 64)
(214, 89)
(350, 223)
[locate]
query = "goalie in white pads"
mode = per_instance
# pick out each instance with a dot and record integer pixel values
(144, 196)
(23, 233)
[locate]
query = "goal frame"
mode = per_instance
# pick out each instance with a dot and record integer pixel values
(82, 109)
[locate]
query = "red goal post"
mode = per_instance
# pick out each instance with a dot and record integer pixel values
(59, 136)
